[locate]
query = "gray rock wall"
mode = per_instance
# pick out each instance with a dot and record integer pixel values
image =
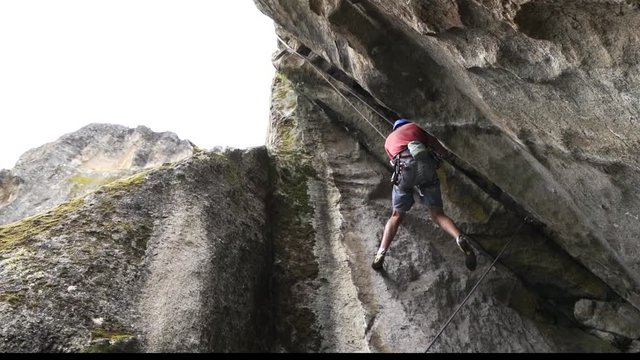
(342, 305)
(174, 259)
(535, 98)
(540, 97)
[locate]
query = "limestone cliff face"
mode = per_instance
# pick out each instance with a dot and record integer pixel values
(539, 102)
(80, 162)
(330, 300)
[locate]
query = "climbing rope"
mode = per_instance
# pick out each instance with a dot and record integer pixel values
(464, 301)
(474, 287)
(337, 90)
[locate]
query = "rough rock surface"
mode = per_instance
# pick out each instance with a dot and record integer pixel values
(320, 275)
(621, 319)
(539, 102)
(173, 259)
(80, 162)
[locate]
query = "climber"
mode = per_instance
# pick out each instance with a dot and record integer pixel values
(416, 155)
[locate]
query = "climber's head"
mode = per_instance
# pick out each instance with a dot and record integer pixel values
(400, 122)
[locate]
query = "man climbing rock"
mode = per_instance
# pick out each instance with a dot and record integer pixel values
(415, 155)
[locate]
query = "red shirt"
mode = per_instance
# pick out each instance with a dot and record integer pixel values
(397, 141)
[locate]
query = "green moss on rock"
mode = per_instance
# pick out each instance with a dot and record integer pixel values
(16, 234)
(100, 333)
(111, 341)
(80, 183)
(13, 298)
(292, 223)
(128, 182)
(89, 180)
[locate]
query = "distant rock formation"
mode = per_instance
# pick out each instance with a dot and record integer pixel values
(80, 162)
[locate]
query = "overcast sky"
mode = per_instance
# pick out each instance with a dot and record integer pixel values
(199, 68)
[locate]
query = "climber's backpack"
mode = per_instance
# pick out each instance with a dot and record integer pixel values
(418, 150)
(421, 152)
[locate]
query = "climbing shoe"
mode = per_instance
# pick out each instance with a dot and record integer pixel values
(470, 256)
(378, 260)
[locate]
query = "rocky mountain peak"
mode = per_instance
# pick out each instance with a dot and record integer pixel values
(79, 162)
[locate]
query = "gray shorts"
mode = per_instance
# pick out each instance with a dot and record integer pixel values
(402, 196)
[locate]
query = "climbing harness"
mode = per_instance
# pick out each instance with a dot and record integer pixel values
(526, 219)
(397, 167)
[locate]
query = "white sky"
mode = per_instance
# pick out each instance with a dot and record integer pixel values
(199, 68)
